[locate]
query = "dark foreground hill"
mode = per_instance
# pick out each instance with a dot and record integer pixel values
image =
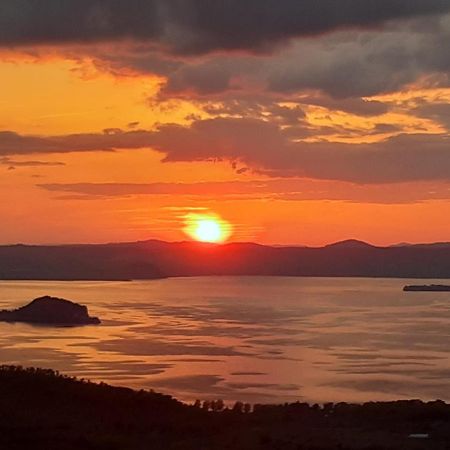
(154, 259)
(41, 410)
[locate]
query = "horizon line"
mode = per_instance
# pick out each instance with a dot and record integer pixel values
(219, 244)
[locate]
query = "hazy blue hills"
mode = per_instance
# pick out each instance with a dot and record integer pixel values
(156, 259)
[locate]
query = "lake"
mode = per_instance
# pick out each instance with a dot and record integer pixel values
(254, 339)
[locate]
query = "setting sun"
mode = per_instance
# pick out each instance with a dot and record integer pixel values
(208, 231)
(207, 228)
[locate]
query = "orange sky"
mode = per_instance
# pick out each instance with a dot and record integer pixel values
(55, 94)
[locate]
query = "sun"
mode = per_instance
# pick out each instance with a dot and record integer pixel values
(207, 228)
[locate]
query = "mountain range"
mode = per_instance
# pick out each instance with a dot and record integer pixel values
(159, 259)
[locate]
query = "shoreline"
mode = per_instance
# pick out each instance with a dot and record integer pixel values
(43, 409)
(129, 280)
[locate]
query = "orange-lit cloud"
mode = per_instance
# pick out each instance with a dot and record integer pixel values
(264, 147)
(280, 189)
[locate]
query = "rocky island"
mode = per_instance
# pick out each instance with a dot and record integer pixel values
(50, 311)
(427, 287)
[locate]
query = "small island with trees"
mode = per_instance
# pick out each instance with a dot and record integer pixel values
(50, 311)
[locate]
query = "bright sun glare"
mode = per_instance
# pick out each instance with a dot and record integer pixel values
(207, 228)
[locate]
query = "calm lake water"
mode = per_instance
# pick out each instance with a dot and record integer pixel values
(255, 339)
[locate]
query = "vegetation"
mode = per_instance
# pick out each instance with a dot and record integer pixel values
(41, 409)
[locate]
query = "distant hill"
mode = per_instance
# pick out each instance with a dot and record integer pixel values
(156, 259)
(434, 244)
(350, 243)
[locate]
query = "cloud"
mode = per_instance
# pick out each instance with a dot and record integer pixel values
(352, 105)
(196, 26)
(207, 49)
(343, 65)
(279, 189)
(13, 163)
(364, 64)
(264, 147)
(267, 149)
(12, 143)
(439, 112)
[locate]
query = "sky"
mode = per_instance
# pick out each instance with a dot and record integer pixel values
(289, 121)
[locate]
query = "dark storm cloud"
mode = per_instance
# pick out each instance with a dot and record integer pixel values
(265, 148)
(189, 43)
(196, 26)
(345, 65)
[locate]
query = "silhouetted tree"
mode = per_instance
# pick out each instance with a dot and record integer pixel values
(220, 405)
(238, 407)
(328, 408)
(206, 405)
(217, 405)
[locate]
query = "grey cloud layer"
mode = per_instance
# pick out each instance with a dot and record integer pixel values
(195, 26)
(344, 65)
(188, 42)
(265, 148)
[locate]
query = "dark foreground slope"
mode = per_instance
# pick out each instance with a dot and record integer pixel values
(153, 259)
(42, 410)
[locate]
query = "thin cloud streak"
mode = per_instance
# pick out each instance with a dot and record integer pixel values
(277, 189)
